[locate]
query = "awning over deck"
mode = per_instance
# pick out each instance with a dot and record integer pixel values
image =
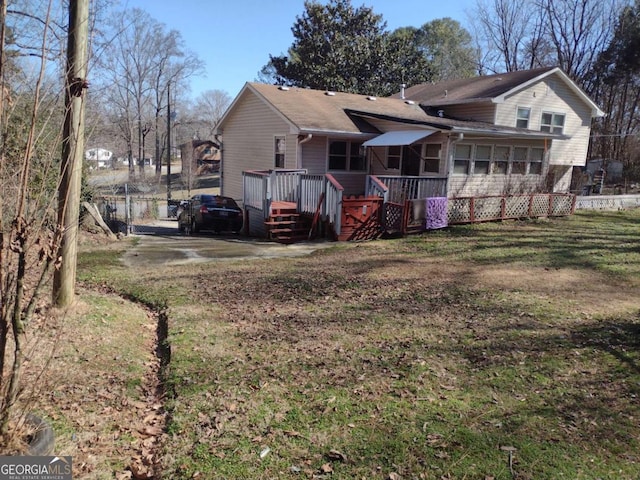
(401, 137)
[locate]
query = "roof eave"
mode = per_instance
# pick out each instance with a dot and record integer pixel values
(336, 133)
(508, 133)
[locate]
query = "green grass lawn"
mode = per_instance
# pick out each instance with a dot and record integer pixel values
(413, 358)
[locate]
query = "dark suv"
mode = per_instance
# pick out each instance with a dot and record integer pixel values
(210, 212)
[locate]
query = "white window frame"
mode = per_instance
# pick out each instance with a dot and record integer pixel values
(484, 161)
(396, 156)
(523, 160)
(521, 118)
(496, 160)
(552, 127)
(279, 150)
(533, 161)
(462, 159)
(425, 157)
(519, 159)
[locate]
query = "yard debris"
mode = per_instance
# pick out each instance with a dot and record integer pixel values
(265, 452)
(511, 451)
(337, 456)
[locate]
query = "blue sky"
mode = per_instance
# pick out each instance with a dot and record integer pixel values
(235, 37)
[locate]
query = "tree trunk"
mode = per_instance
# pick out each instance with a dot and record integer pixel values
(72, 152)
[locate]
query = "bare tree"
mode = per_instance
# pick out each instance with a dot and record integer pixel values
(616, 80)
(174, 65)
(579, 30)
(210, 106)
(139, 60)
(504, 27)
(568, 33)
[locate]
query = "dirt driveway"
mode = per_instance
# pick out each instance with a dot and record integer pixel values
(162, 244)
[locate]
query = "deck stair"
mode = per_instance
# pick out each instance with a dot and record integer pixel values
(286, 225)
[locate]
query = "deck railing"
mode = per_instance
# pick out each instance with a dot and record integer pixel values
(401, 189)
(311, 189)
(333, 203)
(254, 187)
(261, 188)
(285, 185)
(375, 188)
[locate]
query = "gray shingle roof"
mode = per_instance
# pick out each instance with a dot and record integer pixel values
(316, 111)
(467, 90)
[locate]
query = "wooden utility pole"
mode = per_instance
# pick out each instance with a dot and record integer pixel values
(168, 143)
(64, 280)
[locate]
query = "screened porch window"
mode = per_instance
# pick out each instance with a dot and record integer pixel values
(501, 155)
(482, 160)
(519, 164)
(462, 159)
(536, 156)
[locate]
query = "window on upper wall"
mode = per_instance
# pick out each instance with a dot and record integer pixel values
(482, 160)
(522, 117)
(394, 154)
(552, 122)
(501, 155)
(279, 150)
(347, 156)
(432, 158)
(462, 159)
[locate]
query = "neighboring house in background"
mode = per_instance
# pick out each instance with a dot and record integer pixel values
(492, 135)
(200, 157)
(98, 157)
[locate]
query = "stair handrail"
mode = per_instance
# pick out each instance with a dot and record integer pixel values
(375, 187)
(333, 202)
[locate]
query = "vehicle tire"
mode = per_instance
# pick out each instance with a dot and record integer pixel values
(42, 443)
(181, 228)
(194, 227)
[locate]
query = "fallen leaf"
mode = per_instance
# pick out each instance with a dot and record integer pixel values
(150, 431)
(140, 471)
(326, 468)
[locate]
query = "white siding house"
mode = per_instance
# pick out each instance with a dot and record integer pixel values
(98, 157)
(520, 132)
